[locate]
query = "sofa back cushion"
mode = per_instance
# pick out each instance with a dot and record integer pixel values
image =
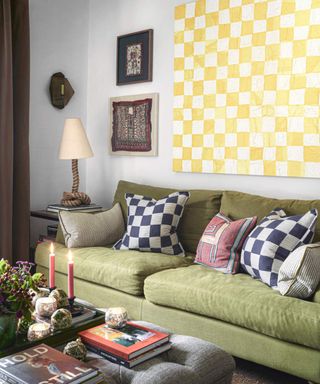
(199, 210)
(237, 205)
(98, 229)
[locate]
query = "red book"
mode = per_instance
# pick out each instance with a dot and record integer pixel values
(128, 342)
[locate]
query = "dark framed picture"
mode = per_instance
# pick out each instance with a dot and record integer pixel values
(134, 57)
(134, 125)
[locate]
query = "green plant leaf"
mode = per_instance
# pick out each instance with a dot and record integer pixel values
(36, 277)
(4, 265)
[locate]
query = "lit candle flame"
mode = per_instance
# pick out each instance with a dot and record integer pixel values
(51, 248)
(70, 257)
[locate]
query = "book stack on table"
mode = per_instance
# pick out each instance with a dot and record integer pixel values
(43, 364)
(129, 346)
(80, 208)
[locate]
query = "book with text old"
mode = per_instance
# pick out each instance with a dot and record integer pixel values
(43, 364)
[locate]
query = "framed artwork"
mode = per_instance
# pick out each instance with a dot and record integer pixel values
(134, 57)
(134, 125)
(247, 88)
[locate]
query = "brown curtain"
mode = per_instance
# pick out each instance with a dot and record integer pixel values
(14, 129)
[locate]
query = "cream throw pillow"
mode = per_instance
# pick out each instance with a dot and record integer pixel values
(299, 275)
(92, 229)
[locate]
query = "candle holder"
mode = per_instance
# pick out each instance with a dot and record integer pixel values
(38, 331)
(45, 306)
(116, 317)
(71, 301)
(76, 310)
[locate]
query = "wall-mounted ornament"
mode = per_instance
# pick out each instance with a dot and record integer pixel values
(134, 57)
(134, 125)
(61, 90)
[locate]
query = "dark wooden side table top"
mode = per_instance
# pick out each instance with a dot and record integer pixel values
(44, 214)
(58, 337)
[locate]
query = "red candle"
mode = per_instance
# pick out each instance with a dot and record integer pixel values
(70, 276)
(51, 267)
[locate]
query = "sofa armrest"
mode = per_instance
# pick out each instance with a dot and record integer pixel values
(59, 235)
(316, 296)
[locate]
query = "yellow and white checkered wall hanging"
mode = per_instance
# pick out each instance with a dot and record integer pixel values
(246, 87)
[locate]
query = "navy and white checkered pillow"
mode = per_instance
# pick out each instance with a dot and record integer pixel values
(272, 240)
(152, 225)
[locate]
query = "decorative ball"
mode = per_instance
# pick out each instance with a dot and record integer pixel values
(60, 296)
(23, 326)
(116, 317)
(76, 349)
(61, 319)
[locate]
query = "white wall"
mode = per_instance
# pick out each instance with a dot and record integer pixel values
(59, 42)
(78, 37)
(108, 19)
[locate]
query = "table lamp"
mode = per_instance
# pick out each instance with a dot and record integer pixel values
(74, 145)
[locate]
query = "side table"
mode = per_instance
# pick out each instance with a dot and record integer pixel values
(44, 215)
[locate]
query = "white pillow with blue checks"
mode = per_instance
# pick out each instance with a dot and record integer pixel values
(152, 224)
(271, 242)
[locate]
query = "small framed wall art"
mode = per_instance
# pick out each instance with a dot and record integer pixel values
(134, 57)
(134, 125)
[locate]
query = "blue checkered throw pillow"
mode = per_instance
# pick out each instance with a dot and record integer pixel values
(152, 225)
(272, 240)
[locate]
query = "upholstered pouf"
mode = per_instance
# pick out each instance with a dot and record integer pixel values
(190, 361)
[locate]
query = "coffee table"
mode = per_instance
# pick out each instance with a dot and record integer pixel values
(190, 360)
(58, 337)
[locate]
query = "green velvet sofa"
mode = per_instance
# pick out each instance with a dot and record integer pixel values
(240, 314)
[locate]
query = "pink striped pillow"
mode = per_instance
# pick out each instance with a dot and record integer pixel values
(221, 243)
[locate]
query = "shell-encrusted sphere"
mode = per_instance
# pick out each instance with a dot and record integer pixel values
(76, 349)
(23, 326)
(61, 319)
(60, 296)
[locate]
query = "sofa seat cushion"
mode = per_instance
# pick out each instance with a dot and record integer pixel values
(121, 270)
(236, 299)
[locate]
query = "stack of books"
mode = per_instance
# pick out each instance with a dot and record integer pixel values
(129, 346)
(43, 364)
(81, 208)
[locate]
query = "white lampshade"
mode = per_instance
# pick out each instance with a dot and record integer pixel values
(74, 143)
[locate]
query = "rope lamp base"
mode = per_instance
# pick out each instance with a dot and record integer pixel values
(74, 199)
